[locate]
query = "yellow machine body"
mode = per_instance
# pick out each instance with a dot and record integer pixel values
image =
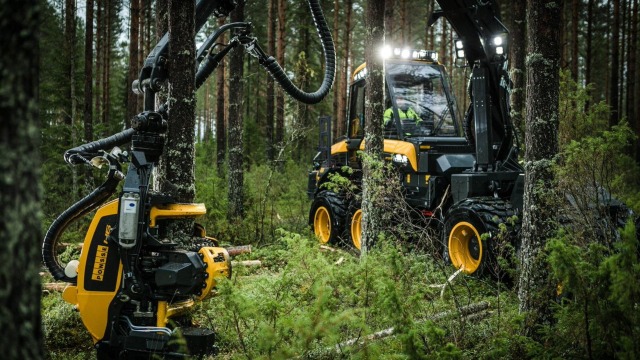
(100, 268)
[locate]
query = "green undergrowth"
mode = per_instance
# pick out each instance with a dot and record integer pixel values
(309, 303)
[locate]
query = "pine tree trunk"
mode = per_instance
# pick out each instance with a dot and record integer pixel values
(106, 68)
(374, 98)
(444, 53)
(207, 111)
(389, 24)
(20, 198)
(589, 51)
(143, 50)
(517, 56)
(631, 64)
(622, 56)
(615, 61)
(176, 170)
(88, 73)
(404, 24)
(344, 75)
(336, 86)
(541, 140)
(88, 86)
(280, 104)
(236, 148)
(162, 27)
(134, 57)
(575, 11)
(636, 90)
(271, 49)
(162, 18)
(221, 128)
(70, 57)
(99, 58)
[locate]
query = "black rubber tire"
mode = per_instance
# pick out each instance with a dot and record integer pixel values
(484, 214)
(336, 209)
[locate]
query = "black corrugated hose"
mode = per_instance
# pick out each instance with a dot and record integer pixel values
(288, 86)
(89, 203)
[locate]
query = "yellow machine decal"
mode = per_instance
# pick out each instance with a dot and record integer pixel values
(102, 253)
(95, 291)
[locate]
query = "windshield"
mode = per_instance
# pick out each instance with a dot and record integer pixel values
(421, 102)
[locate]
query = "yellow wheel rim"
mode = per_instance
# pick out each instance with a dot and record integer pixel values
(322, 224)
(465, 247)
(356, 228)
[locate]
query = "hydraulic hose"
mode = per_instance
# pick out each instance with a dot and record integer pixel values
(82, 207)
(281, 77)
(89, 203)
(74, 156)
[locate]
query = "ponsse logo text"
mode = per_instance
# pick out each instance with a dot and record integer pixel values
(102, 251)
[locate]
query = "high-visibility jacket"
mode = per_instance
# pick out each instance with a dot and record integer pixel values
(408, 114)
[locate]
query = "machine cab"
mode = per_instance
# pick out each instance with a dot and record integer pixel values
(418, 100)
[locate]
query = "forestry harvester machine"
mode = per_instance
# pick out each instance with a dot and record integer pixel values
(133, 279)
(460, 170)
(470, 159)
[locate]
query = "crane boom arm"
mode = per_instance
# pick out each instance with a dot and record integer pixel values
(484, 39)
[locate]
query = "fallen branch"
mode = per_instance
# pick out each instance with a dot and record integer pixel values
(449, 280)
(247, 263)
(473, 312)
(327, 248)
(238, 250)
(54, 287)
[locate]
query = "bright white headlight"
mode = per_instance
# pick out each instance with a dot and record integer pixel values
(401, 159)
(497, 41)
(459, 44)
(386, 52)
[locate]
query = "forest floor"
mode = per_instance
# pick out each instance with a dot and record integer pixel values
(309, 301)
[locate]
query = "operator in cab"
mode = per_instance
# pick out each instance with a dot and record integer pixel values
(405, 112)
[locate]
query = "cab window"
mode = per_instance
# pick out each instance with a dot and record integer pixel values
(356, 117)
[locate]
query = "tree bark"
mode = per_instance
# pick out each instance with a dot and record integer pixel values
(636, 90)
(221, 128)
(88, 73)
(538, 225)
(517, 57)
(20, 224)
(344, 75)
(336, 86)
(176, 169)
(280, 104)
(615, 61)
(106, 62)
(162, 18)
(70, 58)
(271, 49)
(99, 59)
(631, 66)
(134, 57)
(236, 148)
(389, 25)
(575, 11)
(374, 100)
(589, 51)
(88, 86)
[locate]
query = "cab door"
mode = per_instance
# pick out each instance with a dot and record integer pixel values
(355, 131)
